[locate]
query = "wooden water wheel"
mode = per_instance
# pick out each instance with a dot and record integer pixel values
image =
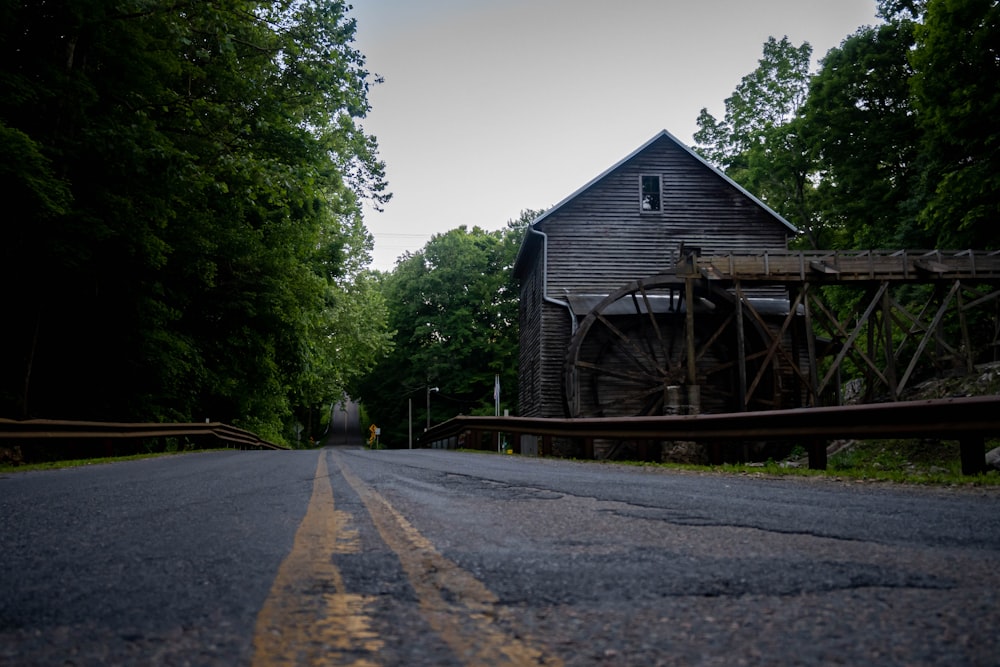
(629, 355)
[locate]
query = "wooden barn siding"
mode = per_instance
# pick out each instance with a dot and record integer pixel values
(600, 241)
(529, 350)
(540, 391)
(556, 326)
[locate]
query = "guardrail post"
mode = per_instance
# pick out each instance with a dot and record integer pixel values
(973, 452)
(817, 455)
(588, 448)
(546, 445)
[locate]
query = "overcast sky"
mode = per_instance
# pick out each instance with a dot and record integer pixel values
(490, 107)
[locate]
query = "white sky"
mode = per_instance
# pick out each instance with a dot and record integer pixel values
(490, 107)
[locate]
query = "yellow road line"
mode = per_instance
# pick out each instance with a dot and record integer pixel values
(308, 617)
(465, 618)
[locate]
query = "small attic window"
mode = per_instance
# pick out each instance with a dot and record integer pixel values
(649, 197)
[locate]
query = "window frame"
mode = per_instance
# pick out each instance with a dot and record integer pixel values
(643, 193)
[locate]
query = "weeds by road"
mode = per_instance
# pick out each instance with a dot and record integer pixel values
(930, 462)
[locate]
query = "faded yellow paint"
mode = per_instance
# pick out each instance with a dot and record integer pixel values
(454, 603)
(308, 617)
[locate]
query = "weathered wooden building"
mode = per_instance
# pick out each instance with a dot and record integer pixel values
(593, 341)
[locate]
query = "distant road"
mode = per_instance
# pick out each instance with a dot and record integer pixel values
(345, 425)
(429, 557)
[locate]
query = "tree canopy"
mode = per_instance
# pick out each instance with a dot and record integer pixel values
(188, 179)
(760, 141)
(892, 143)
(864, 140)
(454, 309)
(956, 64)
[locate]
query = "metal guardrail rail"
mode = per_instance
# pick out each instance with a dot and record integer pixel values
(969, 420)
(37, 430)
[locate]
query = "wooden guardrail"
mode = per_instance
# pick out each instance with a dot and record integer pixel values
(37, 433)
(969, 420)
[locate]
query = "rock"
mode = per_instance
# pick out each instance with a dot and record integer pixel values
(993, 459)
(853, 391)
(679, 451)
(11, 455)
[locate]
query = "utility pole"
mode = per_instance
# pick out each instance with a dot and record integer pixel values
(429, 390)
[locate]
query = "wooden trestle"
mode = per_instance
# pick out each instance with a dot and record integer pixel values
(907, 307)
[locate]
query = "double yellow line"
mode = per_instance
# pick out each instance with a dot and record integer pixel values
(309, 618)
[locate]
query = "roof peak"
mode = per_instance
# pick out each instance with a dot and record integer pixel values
(661, 135)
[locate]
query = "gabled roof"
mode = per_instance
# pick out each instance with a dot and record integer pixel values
(531, 240)
(690, 152)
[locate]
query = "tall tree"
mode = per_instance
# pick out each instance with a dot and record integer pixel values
(760, 143)
(197, 171)
(454, 308)
(957, 66)
(863, 133)
(347, 337)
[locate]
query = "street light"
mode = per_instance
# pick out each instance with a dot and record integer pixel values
(429, 390)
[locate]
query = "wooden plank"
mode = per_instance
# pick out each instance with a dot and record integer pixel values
(777, 266)
(823, 267)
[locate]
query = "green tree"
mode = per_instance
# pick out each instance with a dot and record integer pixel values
(760, 142)
(196, 173)
(957, 66)
(347, 337)
(863, 133)
(454, 308)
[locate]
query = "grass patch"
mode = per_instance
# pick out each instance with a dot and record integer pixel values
(78, 463)
(928, 462)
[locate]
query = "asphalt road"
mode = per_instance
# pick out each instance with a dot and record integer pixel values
(429, 557)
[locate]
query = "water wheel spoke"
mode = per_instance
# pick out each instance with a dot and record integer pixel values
(714, 338)
(654, 325)
(654, 404)
(650, 398)
(605, 371)
(718, 367)
(627, 345)
(634, 344)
